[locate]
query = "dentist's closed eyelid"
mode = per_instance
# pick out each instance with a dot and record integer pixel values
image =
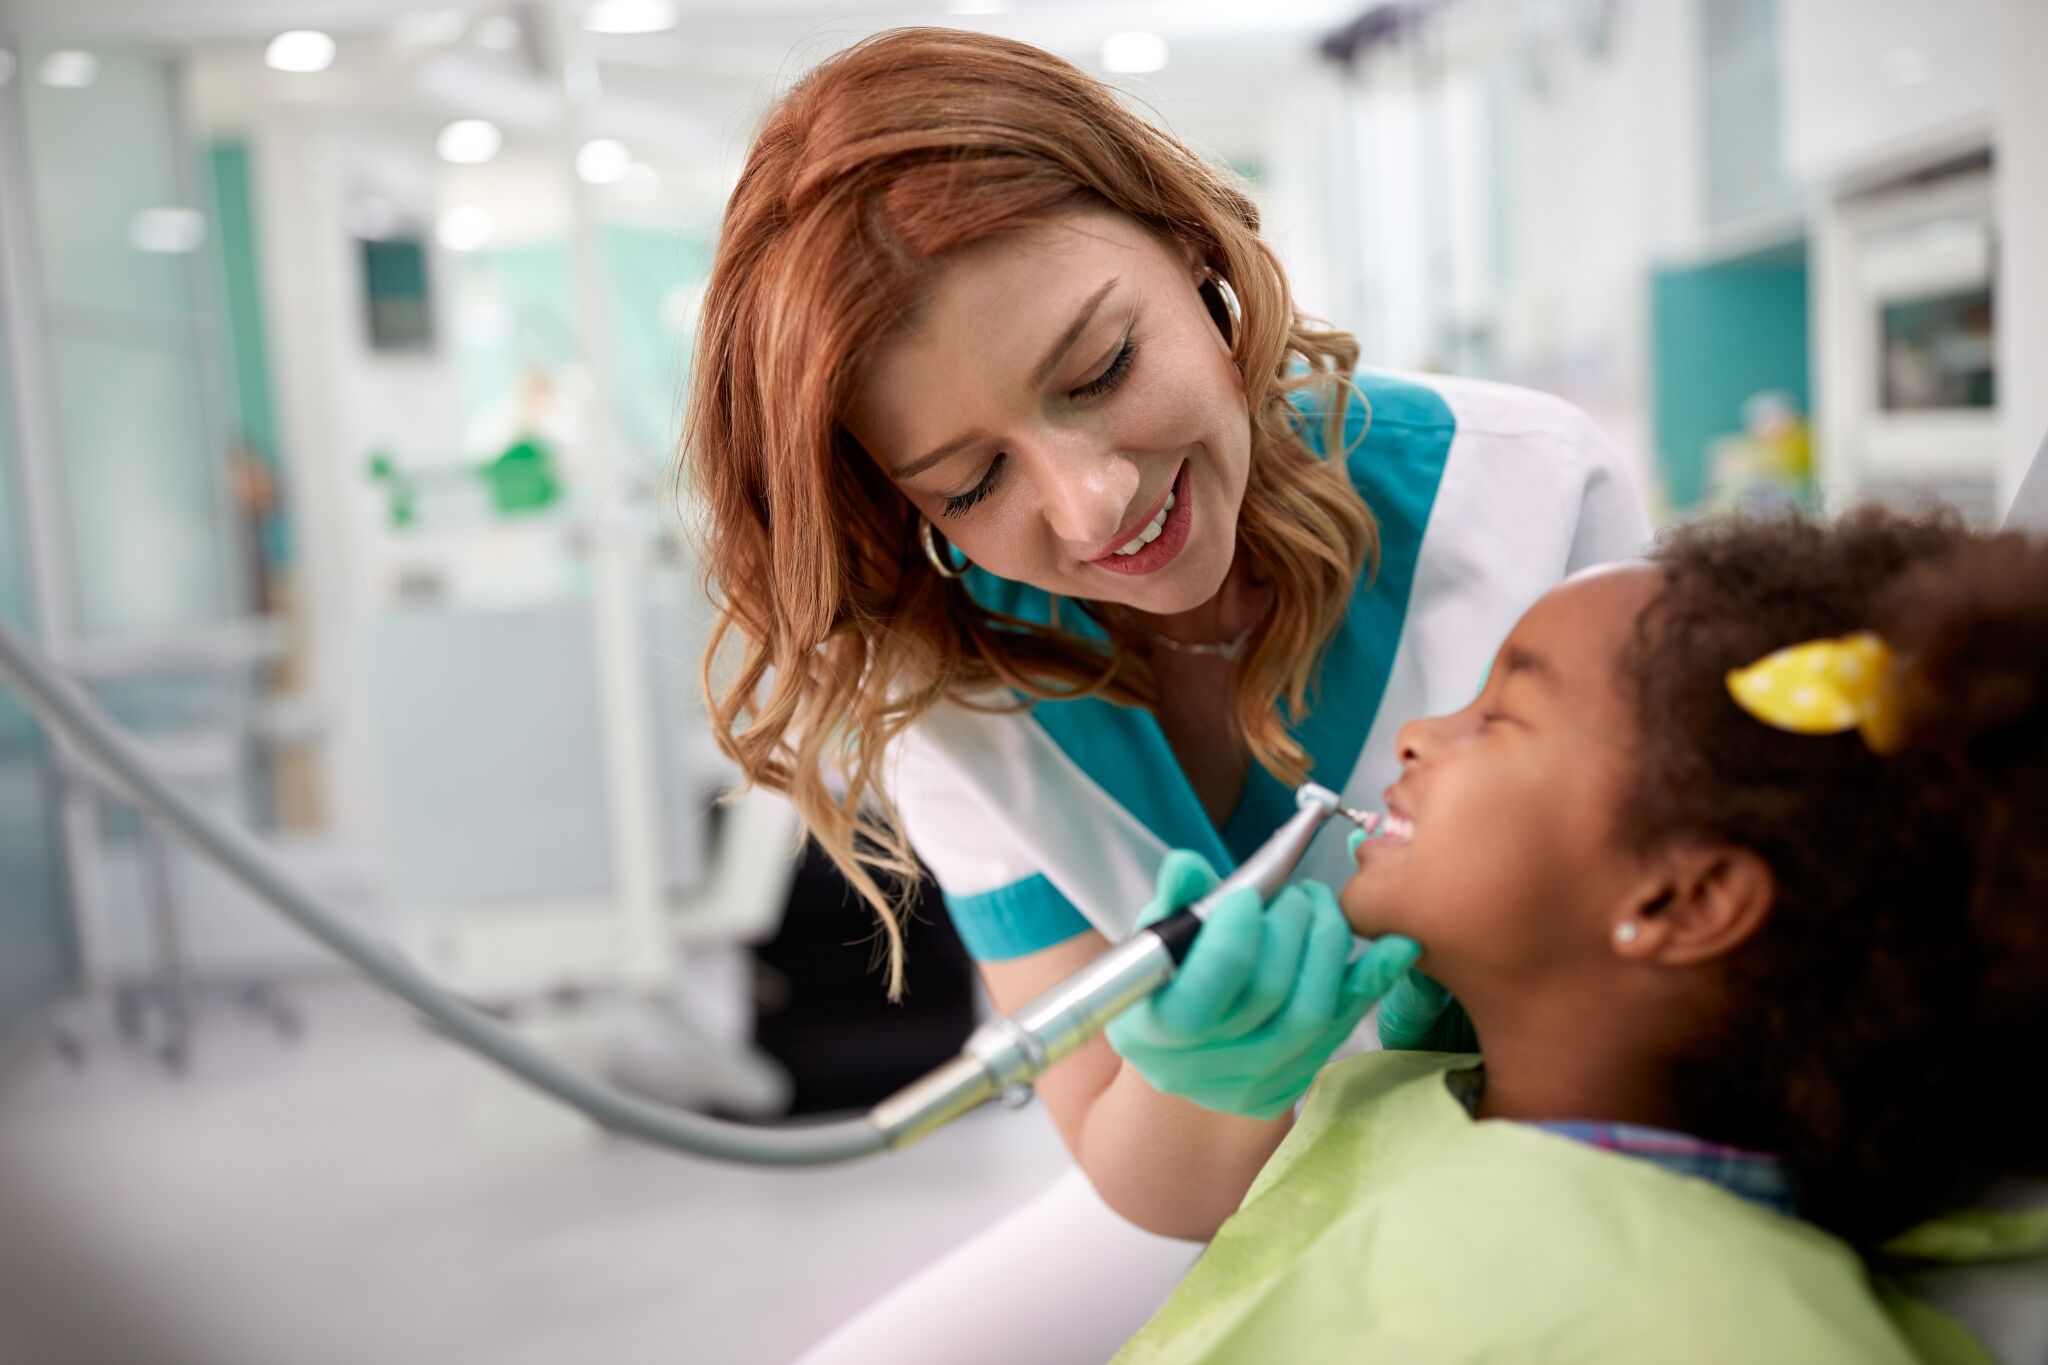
(1112, 375)
(957, 504)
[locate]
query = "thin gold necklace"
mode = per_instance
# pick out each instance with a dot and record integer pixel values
(1227, 650)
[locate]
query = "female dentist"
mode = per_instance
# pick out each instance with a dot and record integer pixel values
(1048, 537)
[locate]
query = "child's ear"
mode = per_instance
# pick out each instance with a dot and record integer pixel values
(1703, 903)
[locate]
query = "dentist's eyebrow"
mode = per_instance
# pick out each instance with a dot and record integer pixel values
(946, 451)
(1038, 377)
(1070, 336)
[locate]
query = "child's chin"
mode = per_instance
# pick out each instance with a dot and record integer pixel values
(1368, 915)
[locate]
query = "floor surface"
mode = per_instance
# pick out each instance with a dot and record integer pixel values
(372, 1194)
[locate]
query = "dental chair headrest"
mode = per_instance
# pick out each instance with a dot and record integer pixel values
(2029, 510)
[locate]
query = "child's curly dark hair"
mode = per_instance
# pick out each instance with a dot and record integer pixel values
(1881, 1025)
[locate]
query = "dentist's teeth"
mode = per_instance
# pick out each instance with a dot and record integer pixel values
(1150, 533)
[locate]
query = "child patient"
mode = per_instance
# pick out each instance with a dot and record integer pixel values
(1739, 865)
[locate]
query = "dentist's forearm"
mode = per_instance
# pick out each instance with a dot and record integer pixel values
(1167, 1164)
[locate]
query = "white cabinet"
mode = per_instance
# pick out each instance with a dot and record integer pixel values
(1907, 347)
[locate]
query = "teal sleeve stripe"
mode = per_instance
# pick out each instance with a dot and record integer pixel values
(1014, 920)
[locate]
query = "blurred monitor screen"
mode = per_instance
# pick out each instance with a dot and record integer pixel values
(1939, 352)
(396, 299)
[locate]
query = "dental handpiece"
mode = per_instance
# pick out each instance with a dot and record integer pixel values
(1004, 1056)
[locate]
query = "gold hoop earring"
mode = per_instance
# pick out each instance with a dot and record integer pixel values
(930, 538)
(1221, 301)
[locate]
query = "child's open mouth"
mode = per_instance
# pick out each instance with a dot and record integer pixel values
(1393, 829)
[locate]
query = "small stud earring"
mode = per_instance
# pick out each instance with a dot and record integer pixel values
(1625, 932)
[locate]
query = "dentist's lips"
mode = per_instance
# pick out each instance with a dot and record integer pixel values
(1166, 546)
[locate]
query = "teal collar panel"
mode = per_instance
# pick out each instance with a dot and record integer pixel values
(1398, 439)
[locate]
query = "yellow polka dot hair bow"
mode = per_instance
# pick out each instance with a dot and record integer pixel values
(1825, 687)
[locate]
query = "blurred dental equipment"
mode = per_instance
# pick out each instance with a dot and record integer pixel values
(1001, 1058)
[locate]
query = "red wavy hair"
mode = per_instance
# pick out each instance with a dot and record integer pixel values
(865, 177)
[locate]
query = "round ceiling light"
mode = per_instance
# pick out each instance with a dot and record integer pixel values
(469, 141)
(1133, 54)
(629, 16)
(463, 229)
(303, 50)
(602, 161)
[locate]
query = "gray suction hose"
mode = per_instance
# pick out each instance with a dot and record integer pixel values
(1001, 1059)
(68, 711)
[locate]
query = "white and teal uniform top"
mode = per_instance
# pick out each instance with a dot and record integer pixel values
(1043, 823)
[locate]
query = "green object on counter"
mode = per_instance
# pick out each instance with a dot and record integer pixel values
(519, 482)
(400, 487)
(522, 479)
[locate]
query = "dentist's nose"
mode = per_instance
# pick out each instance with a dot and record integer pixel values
(1089, 497)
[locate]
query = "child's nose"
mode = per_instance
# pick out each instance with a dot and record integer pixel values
(1419, 740)
(1408, 743)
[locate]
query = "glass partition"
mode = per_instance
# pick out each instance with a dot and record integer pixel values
(119, 240)
(36, 961)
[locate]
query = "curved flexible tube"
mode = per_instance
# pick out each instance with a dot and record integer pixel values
(67, 710)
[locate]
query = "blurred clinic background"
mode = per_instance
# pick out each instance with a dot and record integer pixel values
(340, 376)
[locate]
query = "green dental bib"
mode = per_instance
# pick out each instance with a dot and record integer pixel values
(1391, 1226)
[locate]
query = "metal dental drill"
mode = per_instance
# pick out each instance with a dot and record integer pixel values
(1005, 1055)
(1002, 1057)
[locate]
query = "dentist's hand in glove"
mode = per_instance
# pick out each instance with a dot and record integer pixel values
(1417, 1014)
(1263, 998)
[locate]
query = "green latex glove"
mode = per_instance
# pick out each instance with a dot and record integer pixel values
(1417, 1014)
(1263, 998)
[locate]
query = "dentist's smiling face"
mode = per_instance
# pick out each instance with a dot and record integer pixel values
(1066, 413)
(1505, 864)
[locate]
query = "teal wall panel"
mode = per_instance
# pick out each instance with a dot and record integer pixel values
(1719, 334)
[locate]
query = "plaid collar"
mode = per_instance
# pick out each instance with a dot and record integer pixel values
(1756, 1176)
